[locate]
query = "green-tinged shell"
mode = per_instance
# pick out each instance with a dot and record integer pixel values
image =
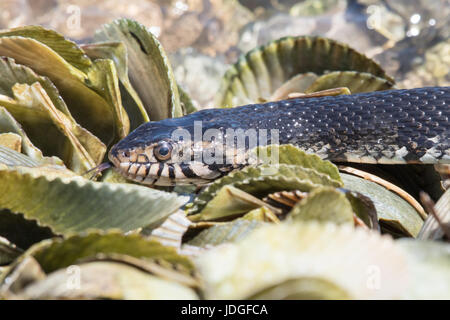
(149, 68)
(395, 215)
(263, 70)
(290, 154)
(13, 73)
(232, 231)
(431, 229)
(67, 49)
(50, 129)
(258, 186)
(69, 203)
(173, 271)
(133, 250)
(12, 160)
(361, 205)
(262, 186)
(117, 52)
(106, 280)
(229, 202)
(14, 227)
(324, 205)
(286, 164)
(87, 103)
(363, 264)
(10, 157)
(54, 254)
(430, 265)
(356, 82)
(261, 214)
(260, 180)
(103, 78)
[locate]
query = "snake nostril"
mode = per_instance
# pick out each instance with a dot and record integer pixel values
(126, 154)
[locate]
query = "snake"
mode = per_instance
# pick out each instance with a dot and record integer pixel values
(399, 126)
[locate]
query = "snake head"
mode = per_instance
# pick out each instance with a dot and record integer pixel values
(164, 153)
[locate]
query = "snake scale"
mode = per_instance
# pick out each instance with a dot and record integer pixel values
(387, 127)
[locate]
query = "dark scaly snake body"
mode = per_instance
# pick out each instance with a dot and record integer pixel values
(390, 127)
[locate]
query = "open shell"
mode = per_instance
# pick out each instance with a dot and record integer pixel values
(263, 70)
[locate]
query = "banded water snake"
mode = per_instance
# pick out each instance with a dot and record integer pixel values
(388, 127)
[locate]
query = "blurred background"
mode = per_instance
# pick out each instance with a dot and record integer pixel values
(409, 38)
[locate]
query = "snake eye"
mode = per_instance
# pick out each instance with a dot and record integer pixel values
(163, 151)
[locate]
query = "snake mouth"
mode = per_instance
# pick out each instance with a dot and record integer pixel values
(166, 174)
(140, 165)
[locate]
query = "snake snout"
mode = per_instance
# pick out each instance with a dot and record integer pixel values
(117, 155)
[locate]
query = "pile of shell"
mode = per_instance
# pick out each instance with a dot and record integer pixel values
(296, 229)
